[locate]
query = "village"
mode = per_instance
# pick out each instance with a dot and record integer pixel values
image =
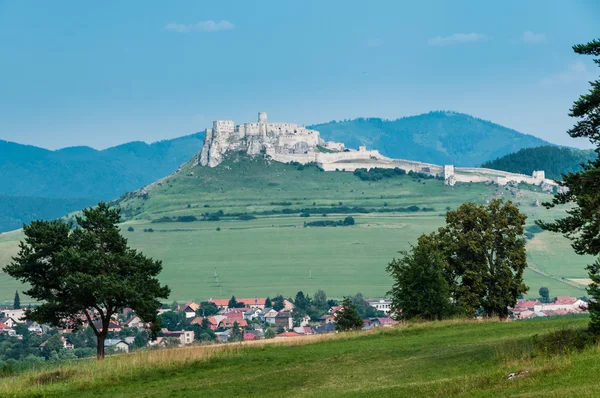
(231, 320)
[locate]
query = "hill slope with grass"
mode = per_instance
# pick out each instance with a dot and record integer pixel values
(555, 161)
(449, 359)
(38, 183)
(435, 137)
(268, 228)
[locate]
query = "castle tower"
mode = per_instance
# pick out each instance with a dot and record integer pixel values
(262, 117)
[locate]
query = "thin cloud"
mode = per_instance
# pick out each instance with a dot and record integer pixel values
(457, 38)
(202, 26)
(533, 38)
(576, 72)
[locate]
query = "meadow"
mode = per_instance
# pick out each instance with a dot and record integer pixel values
(273, 252)
(438, 359)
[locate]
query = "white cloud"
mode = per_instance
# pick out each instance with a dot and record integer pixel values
(576, 72)
(456, 38)
(533, 38)
(202, 26)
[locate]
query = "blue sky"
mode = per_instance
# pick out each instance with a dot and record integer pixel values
(104, 73)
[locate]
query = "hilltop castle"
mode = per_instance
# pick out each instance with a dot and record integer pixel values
(288, 142)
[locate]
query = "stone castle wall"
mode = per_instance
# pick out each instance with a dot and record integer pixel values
(288, 142)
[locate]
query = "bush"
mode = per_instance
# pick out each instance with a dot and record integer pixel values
(149, 230)
(349, 220)
(562, 341)
(304, 215)
(130, 229)
(186, 219)
(246, 217)
(218, 229)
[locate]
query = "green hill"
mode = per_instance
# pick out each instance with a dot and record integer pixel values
(440, 359)
(36, 182)
(555, 161)
(435, 137)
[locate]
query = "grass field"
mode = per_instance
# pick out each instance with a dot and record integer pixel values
(442, 359)
(275, 254)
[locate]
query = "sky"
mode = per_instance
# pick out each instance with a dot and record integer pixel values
(104, 73)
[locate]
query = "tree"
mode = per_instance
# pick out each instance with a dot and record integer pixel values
(420, 288)
(320, 300)
(232, 302)
(544, 294)
(236, 332)
(173, 320)
(581, 189)
(485, 251)
(347, 318)
(359, 303)
(17, 301)
(86, 270)
(207, 309)
(268, 303)
(349, 220)
(298, 316)
(301, 301)
(269, 333)
(278, 303)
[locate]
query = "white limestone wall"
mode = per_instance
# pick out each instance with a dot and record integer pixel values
(286, 158)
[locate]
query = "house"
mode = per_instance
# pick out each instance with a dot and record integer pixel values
(36, 328)
(17, 315)
(327, 319)
(135, 322)
(288, 305)
(270, 316)
(223, 336)
(185, 336)
(129, 340)
(8, 321)
(113, 327)
(5, 329)
(305, 320)
(383, 305)
(287, 335)
(66, 343)
(326, 328)
(250, 336)
(248, 302)
(305, 330)
(284, 319)
(189, 309)
(386, 322)
(335, 309)
(562, 303)
(252, 313)
(117, 344)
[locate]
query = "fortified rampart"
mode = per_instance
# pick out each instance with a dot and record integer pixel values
(288, 142)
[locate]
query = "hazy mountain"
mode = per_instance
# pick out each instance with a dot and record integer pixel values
(435, 137)
(39, 183)
(555, 161)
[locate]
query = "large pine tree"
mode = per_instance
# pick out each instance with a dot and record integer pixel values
(582, 223)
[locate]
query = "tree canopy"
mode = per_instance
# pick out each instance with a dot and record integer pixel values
(476, 262)
(348, 318)
(581, 189)
(86, 271)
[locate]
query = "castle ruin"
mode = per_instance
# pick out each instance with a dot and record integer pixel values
(289, 142)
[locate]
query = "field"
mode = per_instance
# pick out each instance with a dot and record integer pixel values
(441, 359)
(274, 253)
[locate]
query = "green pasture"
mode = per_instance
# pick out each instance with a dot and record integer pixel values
(439, 359)
(275, 254)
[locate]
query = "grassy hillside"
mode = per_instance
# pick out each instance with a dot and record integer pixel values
(449, 359)
(274, 253)
(435, 137)
(555, 161)
(38, 183)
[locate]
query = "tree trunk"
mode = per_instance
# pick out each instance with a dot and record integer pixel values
(100, 349)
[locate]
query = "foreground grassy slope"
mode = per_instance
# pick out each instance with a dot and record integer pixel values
(274, 254)
(454, 358)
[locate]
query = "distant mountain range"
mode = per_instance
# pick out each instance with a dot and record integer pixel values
(39, 183)
(555, 161)
(435, 137)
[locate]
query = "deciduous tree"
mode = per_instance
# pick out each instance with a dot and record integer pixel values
(86, 270)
